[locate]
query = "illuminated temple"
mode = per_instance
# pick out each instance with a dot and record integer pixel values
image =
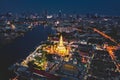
(59, 48)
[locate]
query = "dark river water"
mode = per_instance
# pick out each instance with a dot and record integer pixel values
(21, 48)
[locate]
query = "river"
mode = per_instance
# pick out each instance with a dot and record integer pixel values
(21, 48)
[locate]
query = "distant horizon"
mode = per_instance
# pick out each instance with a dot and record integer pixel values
(102, 7)
(56, 12)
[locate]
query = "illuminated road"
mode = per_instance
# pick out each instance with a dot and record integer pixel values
(111, 53)
(104, 35)
(110, 49)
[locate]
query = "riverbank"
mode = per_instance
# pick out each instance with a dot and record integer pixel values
(21, 48)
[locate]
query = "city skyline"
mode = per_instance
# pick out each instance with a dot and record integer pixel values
(60, 40)
(106, 7)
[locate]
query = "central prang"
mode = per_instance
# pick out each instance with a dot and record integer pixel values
(59, 48)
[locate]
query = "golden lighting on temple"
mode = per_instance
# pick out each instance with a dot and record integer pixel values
(59, 49)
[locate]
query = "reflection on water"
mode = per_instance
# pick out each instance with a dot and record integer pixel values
(21, 47)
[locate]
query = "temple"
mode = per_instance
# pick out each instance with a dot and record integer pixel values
(59, 49)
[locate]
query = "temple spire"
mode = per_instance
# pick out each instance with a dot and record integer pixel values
(59, 49)
(61, 41)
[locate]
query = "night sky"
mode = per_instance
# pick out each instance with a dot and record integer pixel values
(109, 7)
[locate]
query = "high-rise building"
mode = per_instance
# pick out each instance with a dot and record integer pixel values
(60, 14)
(45, 13)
